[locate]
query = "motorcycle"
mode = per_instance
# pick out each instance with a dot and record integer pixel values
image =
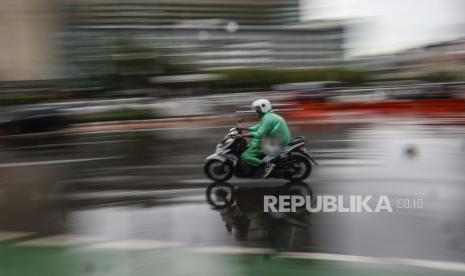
(293, 162)
(222, 195)
(241, 209)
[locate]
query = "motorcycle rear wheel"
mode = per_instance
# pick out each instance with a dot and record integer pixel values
(303, 166)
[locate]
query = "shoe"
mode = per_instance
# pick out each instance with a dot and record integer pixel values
(268, 169)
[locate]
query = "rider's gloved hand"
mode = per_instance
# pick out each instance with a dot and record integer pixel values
(237, 136)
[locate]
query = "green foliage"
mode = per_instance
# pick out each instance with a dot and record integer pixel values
(440, 76)
(253, 79)
(123, 64)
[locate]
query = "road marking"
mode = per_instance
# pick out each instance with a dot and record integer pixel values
(11, 235)
(154, 167)
(333, 257)
(73, 144)
(431, 264)
(61, 240)
(441, 265)
(126, 194)
(136, 244)
(349, 162)
(196, 181)
(326, 162)
(206, 181)
(51, 162)
(231, 250)
(146, 130)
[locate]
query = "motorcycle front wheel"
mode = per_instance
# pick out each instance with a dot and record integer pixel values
(220, 195)
(218, 171)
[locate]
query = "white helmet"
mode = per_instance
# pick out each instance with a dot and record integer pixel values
(261, 106)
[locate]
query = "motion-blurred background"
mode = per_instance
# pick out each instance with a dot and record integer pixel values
(57, 53)
(108, 109)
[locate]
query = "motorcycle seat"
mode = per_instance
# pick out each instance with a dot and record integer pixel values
(296, 140)
(294, 143)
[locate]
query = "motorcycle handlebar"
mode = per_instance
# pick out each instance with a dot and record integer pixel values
(239, 129)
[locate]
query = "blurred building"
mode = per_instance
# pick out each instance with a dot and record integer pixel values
(48, 39)
(444, 57)
(168, 12)
(28, 44)
(447, 56)
(208, 34)
(212, 45)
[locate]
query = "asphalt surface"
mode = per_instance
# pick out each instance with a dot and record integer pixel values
(149, 186)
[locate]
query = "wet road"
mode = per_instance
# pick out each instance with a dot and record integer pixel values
(149, 185)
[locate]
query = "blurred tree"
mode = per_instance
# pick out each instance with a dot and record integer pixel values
(132, 65)
(120, 64)
(263, 79)
(440, 76)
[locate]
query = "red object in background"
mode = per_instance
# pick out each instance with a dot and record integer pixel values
(314, 110)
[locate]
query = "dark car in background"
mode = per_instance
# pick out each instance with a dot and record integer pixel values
(34, 121)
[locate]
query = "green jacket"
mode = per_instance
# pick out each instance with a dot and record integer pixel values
(271, 125)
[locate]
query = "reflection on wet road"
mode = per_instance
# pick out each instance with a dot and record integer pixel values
(112, 187)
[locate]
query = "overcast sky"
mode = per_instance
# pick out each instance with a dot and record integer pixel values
(393, 24)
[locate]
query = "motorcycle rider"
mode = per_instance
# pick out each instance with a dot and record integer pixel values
(271, 126)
